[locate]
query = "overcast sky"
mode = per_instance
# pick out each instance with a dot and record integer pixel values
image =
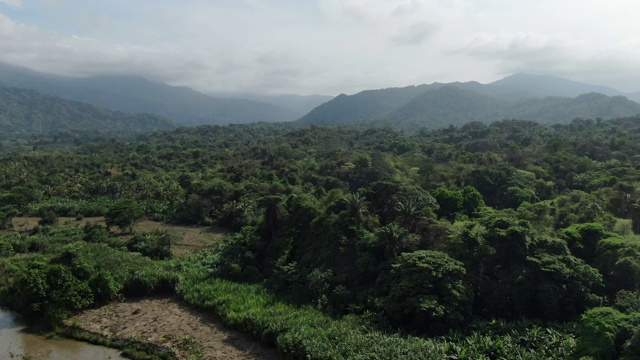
(325, 46)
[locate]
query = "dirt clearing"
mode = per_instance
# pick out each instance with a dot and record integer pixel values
(166, 321)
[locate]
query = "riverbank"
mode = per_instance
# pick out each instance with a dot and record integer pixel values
(18, 342)
(167, 322)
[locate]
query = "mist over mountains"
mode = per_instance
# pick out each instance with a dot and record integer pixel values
(546, 99)
(26, 112)
(135, 94)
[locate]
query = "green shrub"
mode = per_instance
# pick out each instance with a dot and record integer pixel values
(426, 292)
(103, 287)
(50, 292)
(6, 249)
(48, 218)
(95, 233)
(145, 283)
(598, 333)
(155, 244)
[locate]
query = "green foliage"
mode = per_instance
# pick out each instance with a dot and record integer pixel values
(467, 201)
(155, 244)
(618, 259)
(95, 233)
(6, 249)
(583, 239)
(542, 295)
(426, 292)
(48, 288)
(20, 196)
(514, 196)
(103, 287)
(48, 218)
(124, 214)
(450, 202)
(515, 272)
(305, 333)
(71, 207)
(599, 333)
(5, 221)
(49, 292)
(324, 218)
(27, 112)
(627, 301)
(472, 201)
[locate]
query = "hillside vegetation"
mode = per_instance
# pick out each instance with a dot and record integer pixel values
(134, 94)
(25, 113)
(504, 240)
(441, 105)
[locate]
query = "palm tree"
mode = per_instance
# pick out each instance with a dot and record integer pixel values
(391, 237)
(356, 206)
(408, 213)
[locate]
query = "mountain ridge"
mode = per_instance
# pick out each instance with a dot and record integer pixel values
(136, 94)
(28, 112)
(439, 104)
(549, 85)
(531, 97)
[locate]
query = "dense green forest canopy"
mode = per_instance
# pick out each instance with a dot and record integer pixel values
(431, 233)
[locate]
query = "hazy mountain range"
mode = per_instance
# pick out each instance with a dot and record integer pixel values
(186, 106)
(25, 112)
(545, 99)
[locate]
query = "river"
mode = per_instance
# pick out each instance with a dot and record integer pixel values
(15, 344)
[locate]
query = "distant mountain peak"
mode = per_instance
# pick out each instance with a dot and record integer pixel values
(543, 85)
(133, 93)
(543, 98)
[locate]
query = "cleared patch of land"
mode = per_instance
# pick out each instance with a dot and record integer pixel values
(166, 321)
(190, 238)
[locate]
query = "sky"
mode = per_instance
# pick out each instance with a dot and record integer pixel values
(324, 46)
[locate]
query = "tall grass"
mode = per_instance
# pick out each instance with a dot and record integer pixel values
(306, 333)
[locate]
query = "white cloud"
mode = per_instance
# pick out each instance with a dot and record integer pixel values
(325, 46)
(14, 3)
(50, 52)
(558, 54)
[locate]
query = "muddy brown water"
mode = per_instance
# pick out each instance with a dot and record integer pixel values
(15, 343)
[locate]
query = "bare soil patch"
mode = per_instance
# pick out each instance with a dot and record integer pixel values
(168, 322)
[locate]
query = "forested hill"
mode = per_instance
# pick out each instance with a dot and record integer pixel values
(450, 105)
(587, 106)
(363, 106)
(27, 112)
(439, 105)
(135, 94)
